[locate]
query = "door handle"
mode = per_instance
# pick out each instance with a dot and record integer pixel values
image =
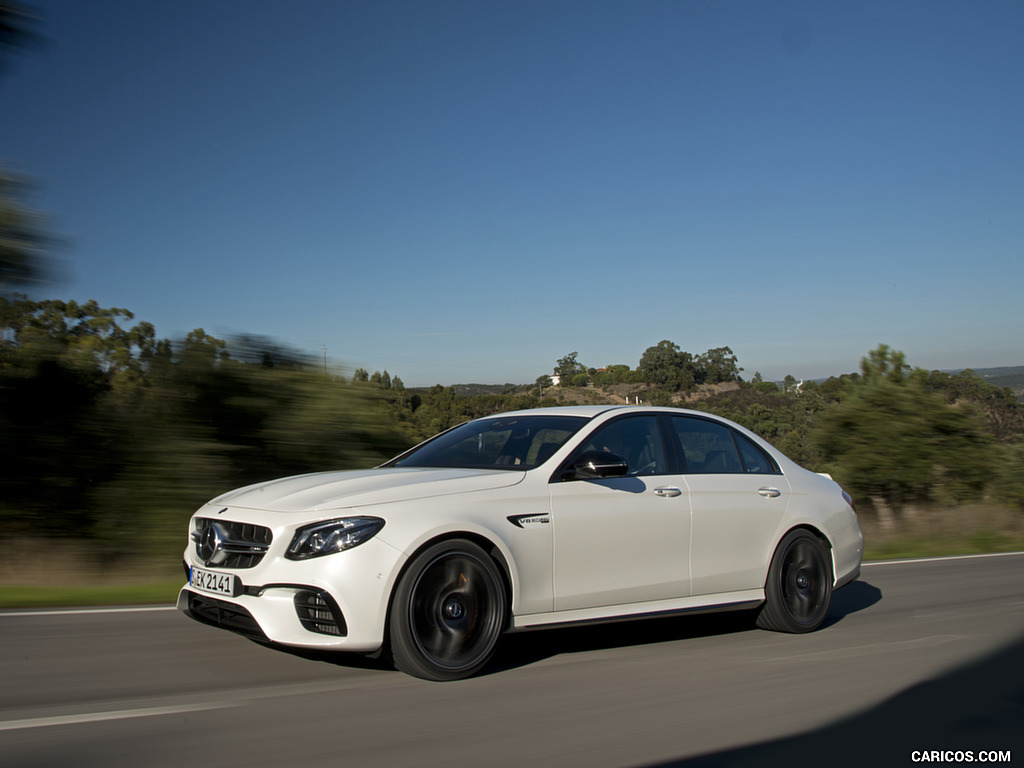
(667, 491)
(769, 493)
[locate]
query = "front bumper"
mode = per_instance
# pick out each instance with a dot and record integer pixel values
(337, 601)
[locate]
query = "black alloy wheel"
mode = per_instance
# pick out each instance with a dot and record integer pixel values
(798, 589)
(448, 612)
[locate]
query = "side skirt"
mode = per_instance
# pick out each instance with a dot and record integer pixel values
(730, 601)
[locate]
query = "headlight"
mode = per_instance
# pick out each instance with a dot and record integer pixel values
(332, 536)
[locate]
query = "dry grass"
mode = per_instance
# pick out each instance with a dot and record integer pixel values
(38, 573)
(921, 532)
(53, 562)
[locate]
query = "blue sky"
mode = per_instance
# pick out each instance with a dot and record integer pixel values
(468, 191)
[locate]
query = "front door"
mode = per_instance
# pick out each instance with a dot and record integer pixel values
(625, 539)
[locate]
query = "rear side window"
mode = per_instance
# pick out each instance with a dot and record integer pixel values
(713, 448)
(708, 447)
(755, 460)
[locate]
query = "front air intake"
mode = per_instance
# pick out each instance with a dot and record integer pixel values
(318, 612)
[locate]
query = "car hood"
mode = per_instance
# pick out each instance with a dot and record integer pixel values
(332, 490)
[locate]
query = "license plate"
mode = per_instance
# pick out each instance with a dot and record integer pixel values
(211, 581)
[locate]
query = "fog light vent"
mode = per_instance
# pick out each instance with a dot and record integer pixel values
(318, 612)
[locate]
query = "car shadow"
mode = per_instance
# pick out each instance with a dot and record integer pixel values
(377, 661)
(525, 648)
(522, 649)
(852, 598)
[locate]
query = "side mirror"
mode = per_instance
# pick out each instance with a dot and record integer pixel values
(598, 464)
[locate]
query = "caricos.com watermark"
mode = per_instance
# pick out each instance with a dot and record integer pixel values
(961, 756)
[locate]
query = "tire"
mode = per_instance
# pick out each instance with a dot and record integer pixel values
(448, 611)
(799, 585)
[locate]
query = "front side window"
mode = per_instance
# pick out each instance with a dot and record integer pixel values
(636, 439)
(514, 442)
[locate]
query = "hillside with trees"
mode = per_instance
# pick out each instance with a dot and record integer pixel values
(114, 436)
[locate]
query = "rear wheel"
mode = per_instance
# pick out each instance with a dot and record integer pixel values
(448, 612)
(799, 585)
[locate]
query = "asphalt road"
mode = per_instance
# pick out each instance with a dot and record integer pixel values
(915, 656)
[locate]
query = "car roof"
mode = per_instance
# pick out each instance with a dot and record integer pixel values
(587, 411)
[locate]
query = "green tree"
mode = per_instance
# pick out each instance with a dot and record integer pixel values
(999, 405)
(580, 380)
(568, 367)
(612, 374)
(1008, 485)
(893, 442)
(884, 363)
(667, 367)
(72, 377)
(758, 383)
(719, 365)
(110, 433)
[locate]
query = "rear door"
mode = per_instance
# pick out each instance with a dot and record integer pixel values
(738, 498)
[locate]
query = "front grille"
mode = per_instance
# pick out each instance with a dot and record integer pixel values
(220, 613)
(319, 613)
(242, 545)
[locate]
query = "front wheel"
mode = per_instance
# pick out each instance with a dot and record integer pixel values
(799, 585)
(448, 612)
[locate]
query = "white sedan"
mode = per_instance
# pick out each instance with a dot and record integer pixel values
(528, 519)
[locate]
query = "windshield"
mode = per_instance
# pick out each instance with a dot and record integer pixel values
(514, 442)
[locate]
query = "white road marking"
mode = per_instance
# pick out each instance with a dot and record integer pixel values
(79, 611)
(227, 700)
(912, 560)
(99, 717)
